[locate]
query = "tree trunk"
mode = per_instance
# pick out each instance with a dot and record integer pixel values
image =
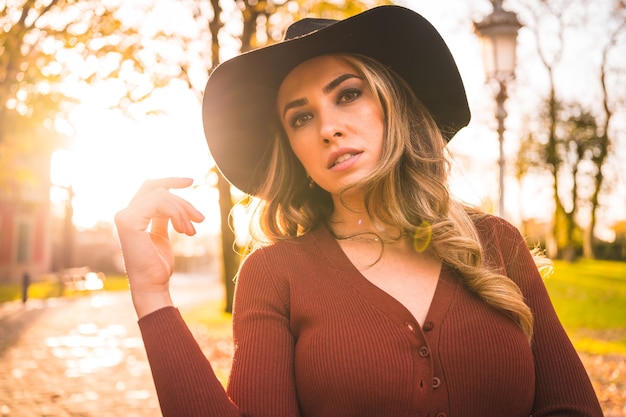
(229, 256)
(604, 139)
(230, 259)
(552, 160)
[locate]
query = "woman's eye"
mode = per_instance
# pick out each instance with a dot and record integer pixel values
(300, 120)
(349, 95)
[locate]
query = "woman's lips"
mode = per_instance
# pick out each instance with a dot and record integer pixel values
(343, 160)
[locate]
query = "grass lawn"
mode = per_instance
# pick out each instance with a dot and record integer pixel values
(590, 299)
(49, 287)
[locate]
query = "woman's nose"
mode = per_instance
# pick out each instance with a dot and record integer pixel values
(331, 129)
(334, 136)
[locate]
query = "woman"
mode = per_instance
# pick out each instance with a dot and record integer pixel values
(371, 292)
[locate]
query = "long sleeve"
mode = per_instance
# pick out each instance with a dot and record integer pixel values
(562, 386)
(261, 382)
(184, 380)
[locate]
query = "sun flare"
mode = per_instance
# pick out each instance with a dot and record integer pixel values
(112, 155)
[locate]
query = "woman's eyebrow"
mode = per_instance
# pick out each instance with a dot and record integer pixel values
(294, 103)
(327, 89)
(334, 83)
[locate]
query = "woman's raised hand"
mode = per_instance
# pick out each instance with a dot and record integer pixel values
(143, 232)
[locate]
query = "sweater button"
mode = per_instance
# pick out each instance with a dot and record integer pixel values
(428, 326)
(441, 414)
(436, 382)
(424, 351)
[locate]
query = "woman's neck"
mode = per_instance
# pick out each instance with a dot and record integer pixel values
(353, 219)
(349, 215)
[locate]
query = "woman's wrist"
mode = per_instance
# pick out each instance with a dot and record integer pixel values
(147, 301)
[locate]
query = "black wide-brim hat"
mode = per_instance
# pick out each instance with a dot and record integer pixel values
(239, 105)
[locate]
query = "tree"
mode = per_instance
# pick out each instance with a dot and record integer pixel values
(49, 52)
(574, 141)
(604, 135)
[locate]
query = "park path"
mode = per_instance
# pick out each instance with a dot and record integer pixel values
(83, 356)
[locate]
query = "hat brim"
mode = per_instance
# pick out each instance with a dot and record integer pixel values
(239, 99)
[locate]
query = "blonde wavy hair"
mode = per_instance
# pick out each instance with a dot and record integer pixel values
(407, 190)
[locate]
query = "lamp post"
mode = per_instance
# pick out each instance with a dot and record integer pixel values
(498, 35)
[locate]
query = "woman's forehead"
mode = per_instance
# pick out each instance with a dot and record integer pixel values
(318, 71)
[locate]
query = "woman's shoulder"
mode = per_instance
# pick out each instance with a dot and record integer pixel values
(489, 220)
(285, 252)
(489, 225)
(282, 263)
(499, 236)
(282, 246)
(504, 244)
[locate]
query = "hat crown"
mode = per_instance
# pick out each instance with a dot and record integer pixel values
(306, 26)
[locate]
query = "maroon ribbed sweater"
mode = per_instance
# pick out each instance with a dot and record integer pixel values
(314, 338)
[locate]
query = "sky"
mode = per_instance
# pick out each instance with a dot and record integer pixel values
(111, 155)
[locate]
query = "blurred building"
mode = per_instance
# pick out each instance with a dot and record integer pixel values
(25, 216)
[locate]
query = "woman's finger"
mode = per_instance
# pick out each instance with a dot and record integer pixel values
(155, 210)
(159, 226)
(161, 183)
(179, 211)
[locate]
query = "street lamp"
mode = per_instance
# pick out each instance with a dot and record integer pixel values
(498, 35)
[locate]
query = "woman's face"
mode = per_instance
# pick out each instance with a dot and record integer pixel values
(333, 121)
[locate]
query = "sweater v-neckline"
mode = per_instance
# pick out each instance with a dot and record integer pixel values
(338, 260)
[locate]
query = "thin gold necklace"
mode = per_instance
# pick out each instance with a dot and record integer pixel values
(360, 237)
